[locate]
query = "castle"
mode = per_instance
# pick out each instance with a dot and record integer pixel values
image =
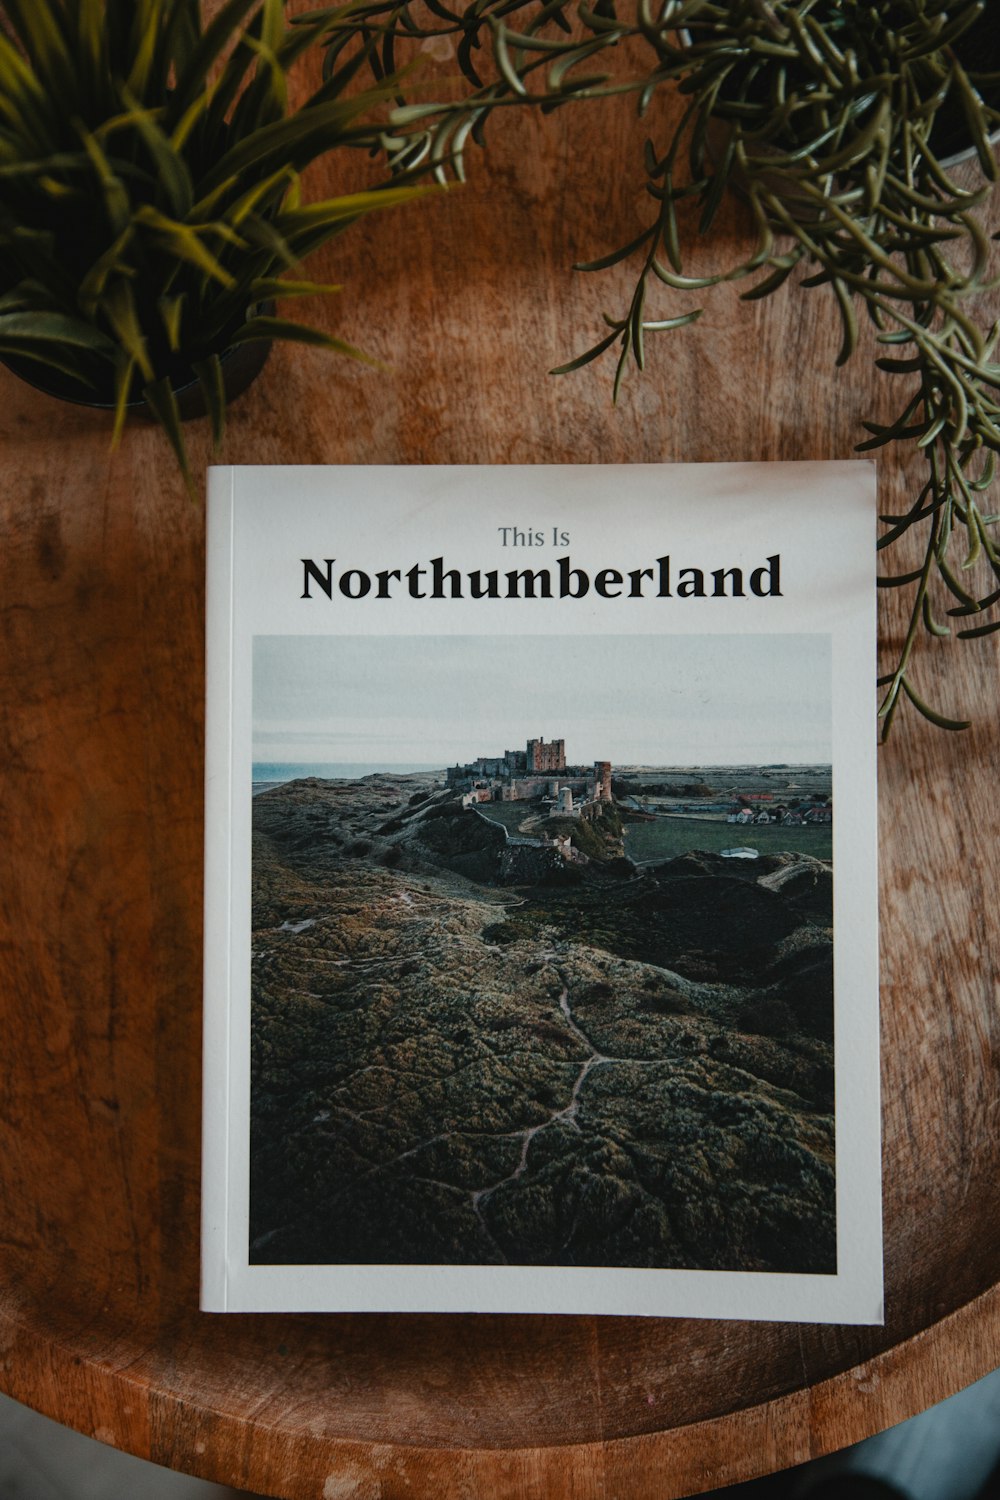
(537, 771)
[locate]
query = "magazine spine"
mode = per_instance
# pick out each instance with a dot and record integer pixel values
(215, 1196)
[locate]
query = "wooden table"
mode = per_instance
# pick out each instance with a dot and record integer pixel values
(470, 299)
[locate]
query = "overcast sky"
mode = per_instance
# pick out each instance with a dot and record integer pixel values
(436, 700)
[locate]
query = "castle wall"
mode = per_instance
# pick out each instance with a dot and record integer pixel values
(526, 788)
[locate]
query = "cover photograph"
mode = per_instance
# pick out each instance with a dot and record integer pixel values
(541, 931)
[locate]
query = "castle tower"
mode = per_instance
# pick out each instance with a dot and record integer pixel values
(544, 757)
(602, 780)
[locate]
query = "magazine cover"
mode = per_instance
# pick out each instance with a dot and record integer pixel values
(541, 938)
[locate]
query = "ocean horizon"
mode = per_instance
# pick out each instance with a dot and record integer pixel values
(268, 773)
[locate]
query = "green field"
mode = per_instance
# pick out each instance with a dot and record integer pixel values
(668, 837)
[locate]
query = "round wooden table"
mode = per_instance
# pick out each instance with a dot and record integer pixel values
(469, 299)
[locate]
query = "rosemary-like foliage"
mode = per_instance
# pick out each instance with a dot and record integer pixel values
(832, 118)
(149, 190)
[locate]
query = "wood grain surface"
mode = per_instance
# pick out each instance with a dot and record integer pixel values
(469, 299)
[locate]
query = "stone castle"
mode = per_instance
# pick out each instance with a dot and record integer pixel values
(537, 771)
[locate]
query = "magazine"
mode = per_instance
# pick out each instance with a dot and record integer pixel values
(541, 934)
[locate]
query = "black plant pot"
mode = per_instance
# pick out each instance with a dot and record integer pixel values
(240, 364)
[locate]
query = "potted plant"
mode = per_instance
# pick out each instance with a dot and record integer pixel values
(150, 199)
(834, 119)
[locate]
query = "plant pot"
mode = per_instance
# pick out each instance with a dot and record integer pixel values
(241, 364)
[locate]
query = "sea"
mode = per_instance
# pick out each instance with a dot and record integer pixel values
(270, 773)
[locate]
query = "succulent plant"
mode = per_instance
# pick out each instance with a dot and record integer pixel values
(150, 200)
(833, 119)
